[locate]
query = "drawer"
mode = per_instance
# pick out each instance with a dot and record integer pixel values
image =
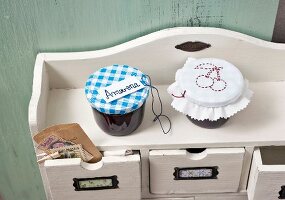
(187, 198)
(188, 171)
(113, 178)
(267, 174)
(225, 196)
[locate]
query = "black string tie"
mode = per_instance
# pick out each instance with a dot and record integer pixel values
(159, 115)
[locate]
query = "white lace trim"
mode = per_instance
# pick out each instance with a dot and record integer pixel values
(199, 112)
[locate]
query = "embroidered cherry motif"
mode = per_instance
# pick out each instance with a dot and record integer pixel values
(219, 85)
(204, 81)
(215, 83)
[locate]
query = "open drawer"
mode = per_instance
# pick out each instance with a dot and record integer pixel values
(114, 177)
(267, 175)
(188, 171)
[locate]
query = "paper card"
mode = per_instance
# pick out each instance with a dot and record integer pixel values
(53, 141)
(119, 89)
(73, 151)
(71, 132)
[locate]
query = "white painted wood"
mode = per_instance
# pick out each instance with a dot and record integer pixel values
(163, 162)
(145, 173)
(145, 181)
(267, 174)
(222, 197)
(156, 52)
(38, 108)
(38, 102)
(188, 198)
(256, 161)
(212, 196)
(45, 181)
(246, 168)
(59, 79)
(61, 172)
(249, 127)
(147, 195)
(70, 70)
(225, 196)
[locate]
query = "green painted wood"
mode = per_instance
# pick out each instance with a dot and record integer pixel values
(28, 27)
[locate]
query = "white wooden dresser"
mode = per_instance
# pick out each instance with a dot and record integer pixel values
(247, 151)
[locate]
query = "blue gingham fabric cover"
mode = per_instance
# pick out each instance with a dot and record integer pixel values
(105, 77)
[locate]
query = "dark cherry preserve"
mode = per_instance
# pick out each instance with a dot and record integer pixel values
(207, 123)
(119, 125)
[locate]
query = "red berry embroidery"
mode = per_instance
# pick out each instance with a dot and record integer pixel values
(212, 79)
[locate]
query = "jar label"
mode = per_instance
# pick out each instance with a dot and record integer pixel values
(119, 89)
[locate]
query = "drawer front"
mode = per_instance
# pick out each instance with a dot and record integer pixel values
(267, 175)
(222, 197)
(187, 198)
(113, 178)
(180, 172)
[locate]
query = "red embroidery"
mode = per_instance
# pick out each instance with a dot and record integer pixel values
(182, 95)
(215, 82)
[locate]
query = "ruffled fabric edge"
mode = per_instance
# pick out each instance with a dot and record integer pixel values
(199, 112)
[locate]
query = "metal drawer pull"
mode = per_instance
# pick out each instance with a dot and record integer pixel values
(195, 173)
(96, 183)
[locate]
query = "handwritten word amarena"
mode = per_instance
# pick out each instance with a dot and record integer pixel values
(121, 91)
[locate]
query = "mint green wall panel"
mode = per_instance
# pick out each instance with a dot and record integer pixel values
(32, 26)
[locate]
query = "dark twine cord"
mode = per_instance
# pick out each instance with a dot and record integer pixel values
(159, 115)
(182, 95)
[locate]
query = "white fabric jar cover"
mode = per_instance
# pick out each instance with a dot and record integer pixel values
(209, 88)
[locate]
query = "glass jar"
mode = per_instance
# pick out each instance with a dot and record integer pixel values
(117, 95)
(119, 125)
(209, 91)
(206, 123)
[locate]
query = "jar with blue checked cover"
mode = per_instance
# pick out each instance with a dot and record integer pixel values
(117, 95)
